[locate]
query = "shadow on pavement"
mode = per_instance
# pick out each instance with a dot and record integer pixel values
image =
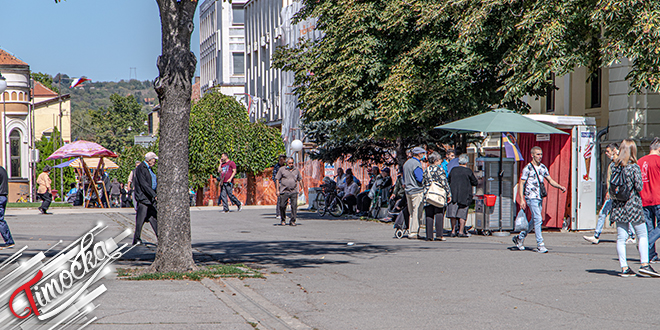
(289, 254)
(604, 272)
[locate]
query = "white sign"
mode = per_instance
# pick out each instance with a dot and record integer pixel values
(329, 170)
(542, 137)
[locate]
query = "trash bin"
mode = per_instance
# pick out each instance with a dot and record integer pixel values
(312, 193)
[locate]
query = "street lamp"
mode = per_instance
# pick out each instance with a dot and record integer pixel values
(3, 88)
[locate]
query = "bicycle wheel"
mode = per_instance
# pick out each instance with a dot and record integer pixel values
(320, 204)
(337, 208)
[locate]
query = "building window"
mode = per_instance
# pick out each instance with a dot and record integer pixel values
(239, 63)
(15, 151)
(238, 16)
(596, 87)
(14, 96)
(550, 95)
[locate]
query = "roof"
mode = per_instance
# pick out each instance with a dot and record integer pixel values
(40, 90)
(9, 59)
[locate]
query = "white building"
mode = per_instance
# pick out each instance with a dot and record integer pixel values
(222, 46)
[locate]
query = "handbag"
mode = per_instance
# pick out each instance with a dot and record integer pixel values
(437, 195)
(542, 192)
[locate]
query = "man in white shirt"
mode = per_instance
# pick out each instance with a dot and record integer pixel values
(351, 190)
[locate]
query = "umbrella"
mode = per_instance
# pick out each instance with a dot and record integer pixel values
(500, 121)
(81, 149)
(65, 164)
(94, 163)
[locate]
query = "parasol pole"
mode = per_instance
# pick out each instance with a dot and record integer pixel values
(500, 174)
(101, 168)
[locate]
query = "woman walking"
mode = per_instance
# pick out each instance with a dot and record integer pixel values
(434, 174)
(627, 207)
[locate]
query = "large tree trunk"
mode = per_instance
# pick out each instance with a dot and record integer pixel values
(401, 156)
(176, 68)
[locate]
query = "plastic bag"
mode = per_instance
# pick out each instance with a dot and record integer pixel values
(301, 199)
(521, 221)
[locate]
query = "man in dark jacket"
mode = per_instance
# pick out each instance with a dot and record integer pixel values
(145, 183)
(4, 228)
(461, 179)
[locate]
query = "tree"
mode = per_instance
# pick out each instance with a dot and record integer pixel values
(219, 123)
(47, 145)
(387, 72)
(114, 127)
(45, 79)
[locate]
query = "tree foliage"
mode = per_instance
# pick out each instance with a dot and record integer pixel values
(47, 145)
(45, 79)
(219, 123)
(115, 126)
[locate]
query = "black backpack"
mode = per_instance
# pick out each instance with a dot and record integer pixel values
(619, 189)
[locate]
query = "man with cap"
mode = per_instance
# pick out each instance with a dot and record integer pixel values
(43, 192)
(413, 176)
(145, 183)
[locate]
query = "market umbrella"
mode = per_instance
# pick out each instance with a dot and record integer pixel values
(500, 121)
(81, 149)
(94, 163)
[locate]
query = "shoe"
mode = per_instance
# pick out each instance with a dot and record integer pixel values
(627, 273)
(139, 242)
(518, 242)
(655, 260)
(592, 239)
(541, 249)
(240, 207)
(283, 223)
(412, 236)
(463, 235)
(648, 270)
(452, 235)
(428, 239)
(440, 239)
(6, 246)
(631, 241)
(292, 223)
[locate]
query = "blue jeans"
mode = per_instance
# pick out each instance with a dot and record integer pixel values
(604, 211)
(651, 215)
(622, 235)
(4, 228)
(535, 206)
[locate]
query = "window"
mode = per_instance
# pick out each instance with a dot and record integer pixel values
(239, 63)
(550, 95)
(15, 150)
(238, 16)
(596, 85)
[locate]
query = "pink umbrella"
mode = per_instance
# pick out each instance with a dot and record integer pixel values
(81, 149)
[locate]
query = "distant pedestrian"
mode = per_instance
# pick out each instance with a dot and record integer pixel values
(434, 174)
(532, 191)
(350, 190)
(4, 228)
(413, 177)
(461, 181)
(650, 167)
(449, 156)
(288, 179)
(628, 209)
(227, 170)
(130, 187)
(146, 185)
(44, 191)
(115, 193)
(280, 163)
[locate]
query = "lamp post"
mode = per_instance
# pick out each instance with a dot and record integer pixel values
(3, 88)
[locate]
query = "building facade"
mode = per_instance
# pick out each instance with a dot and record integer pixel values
(222, 46)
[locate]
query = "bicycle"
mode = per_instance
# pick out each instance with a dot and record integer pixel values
(22, 199)
(336, 207)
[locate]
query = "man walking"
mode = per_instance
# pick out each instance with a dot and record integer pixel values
(4, 228)
(227, 172)
(650, 166)
(532, 191)
(288, 179)
(280, 162)
(146, 183)
(43, 192)
(413, 176)
(461, 179)
(131, 187)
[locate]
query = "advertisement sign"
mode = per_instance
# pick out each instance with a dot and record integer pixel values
(329, 170)
(587, 156)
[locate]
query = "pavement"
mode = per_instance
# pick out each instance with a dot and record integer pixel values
(342, 273)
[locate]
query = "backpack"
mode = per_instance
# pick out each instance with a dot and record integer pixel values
(619, 189)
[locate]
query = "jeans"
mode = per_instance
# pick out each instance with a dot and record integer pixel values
(604, 212)
(535, 205)
(227, 189)
(4, 228)
(642, 240)
(289, 198)
(651, 215)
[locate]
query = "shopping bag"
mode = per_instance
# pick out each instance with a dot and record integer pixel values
(301, 199)
(521, 222)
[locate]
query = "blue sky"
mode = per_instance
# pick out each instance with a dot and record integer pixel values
(101, 39)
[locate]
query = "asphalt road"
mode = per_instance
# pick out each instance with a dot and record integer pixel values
(379, 282)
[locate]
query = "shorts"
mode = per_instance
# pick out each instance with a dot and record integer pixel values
(456, 211)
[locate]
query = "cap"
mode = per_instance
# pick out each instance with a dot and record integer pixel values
(418, 150)
(150, 155)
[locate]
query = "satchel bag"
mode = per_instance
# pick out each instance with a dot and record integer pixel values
(542, 192)
(437, 195)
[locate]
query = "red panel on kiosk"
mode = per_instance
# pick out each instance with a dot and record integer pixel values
(557, 158)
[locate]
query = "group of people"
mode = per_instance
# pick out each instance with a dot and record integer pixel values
(633, 199)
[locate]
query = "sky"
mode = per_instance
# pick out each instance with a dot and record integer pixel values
(99, 39)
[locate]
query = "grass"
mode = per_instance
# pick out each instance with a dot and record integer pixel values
(238, 270)
(24, 205)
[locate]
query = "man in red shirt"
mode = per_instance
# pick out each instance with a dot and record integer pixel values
(650, 166)
(227, 172)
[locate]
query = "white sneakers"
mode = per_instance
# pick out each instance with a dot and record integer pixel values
(591, 239)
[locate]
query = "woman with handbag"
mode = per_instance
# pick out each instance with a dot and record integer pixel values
(436, 196)
(625, 186)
